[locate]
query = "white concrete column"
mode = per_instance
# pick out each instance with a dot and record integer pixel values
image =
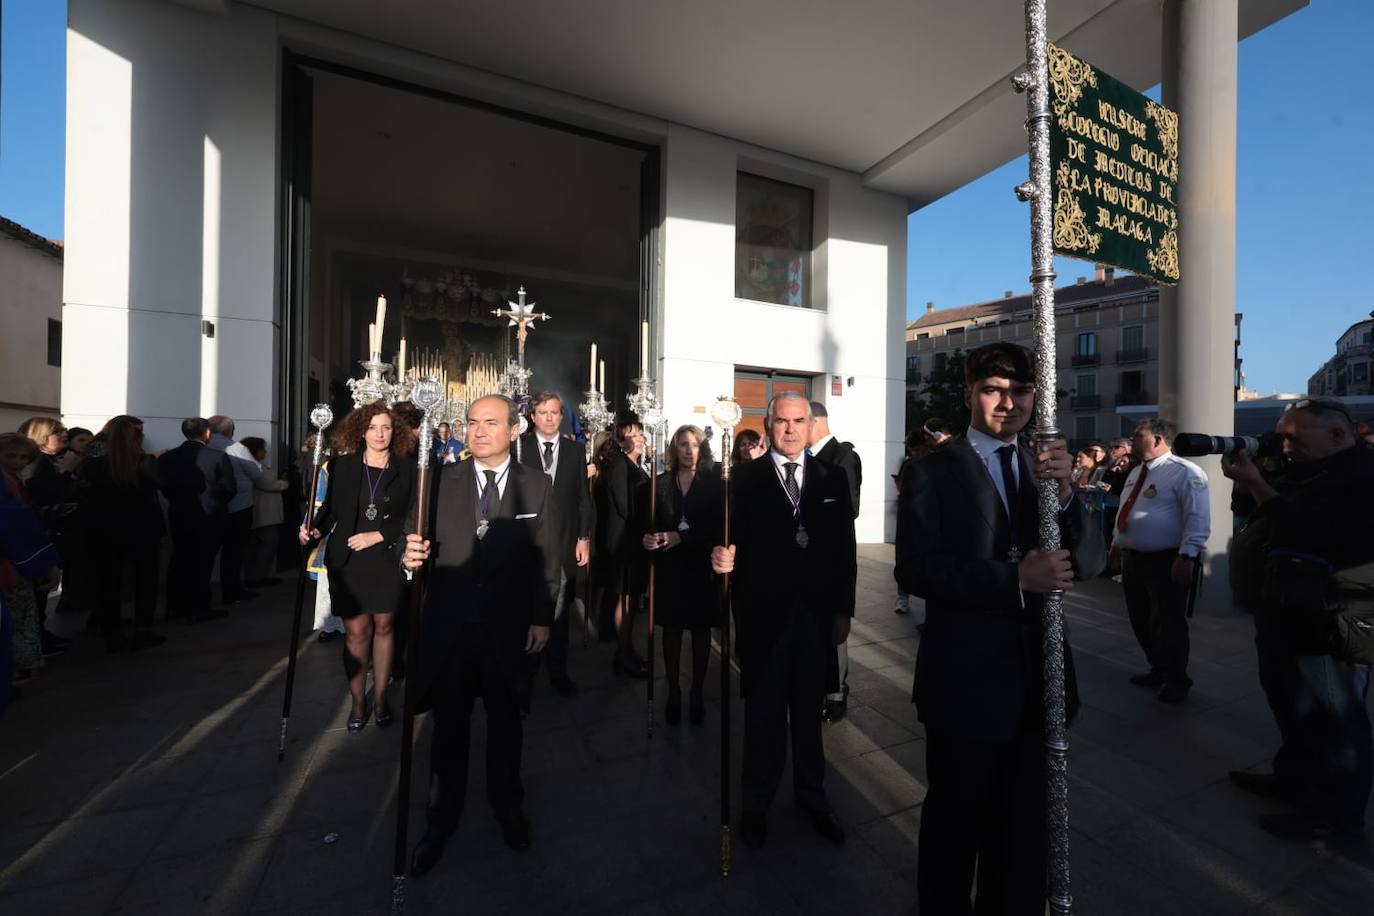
(1197, 317)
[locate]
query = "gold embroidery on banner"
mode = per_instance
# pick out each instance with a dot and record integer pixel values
(1070, 222)
(1164, 259)
(1068, 74)
(1166, 122)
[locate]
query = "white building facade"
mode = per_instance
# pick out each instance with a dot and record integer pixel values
(192, 285)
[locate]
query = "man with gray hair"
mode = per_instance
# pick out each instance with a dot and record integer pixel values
(842, 455)
(1161, 531)
(239, 522)
(795, 569)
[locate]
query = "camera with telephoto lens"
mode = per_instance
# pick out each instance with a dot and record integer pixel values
(1191, 445)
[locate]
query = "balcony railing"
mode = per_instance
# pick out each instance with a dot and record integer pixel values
(1137, 355)
(1127, 398)
(1085, 401)
(1086, 359)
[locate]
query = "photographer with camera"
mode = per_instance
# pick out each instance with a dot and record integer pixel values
(1303, 561)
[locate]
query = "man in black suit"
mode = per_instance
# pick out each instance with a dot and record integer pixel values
(564, 462)
(795, 569)
(966, 543)
(489, 604)
(842, 455)
(198, 483)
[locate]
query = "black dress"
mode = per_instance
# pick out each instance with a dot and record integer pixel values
(367, 581)
(685, 592)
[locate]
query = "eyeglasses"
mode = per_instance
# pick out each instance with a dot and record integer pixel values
(1320, 404)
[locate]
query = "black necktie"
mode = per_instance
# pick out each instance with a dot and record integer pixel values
(548, 456)
(790, 484)
(1006, 454)
(491, 495)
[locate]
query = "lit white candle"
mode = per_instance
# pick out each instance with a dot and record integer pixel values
(371, 339)
(591, 373)
(644, 350)
(381, 320)
(401, 360)
(602, 389)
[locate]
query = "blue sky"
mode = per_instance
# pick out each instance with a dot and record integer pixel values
(1304, 205)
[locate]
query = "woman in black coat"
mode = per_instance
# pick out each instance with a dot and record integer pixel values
(370, 489)
(688, 511)
(622, 500)
(125, 528)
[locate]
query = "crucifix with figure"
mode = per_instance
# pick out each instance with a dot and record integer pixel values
(522, 317)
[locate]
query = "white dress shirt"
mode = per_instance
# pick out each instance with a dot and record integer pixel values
(502, 475)
(779, 459)
(1171, 512)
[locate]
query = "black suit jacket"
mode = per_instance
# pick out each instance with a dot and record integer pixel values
(572, 498)
(772, 572)
(843, 456)
(979, 666)
(197, 481)
(343, 498)
(508, 579)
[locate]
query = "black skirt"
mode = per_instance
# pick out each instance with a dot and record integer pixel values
(370, 581)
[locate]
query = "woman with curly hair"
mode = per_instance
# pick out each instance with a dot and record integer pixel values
(124, 523)
(371, 480)
(748, 446)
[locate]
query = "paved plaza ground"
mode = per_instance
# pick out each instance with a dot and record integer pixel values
(148, 784)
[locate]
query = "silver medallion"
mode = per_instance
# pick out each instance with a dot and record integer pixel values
(370, 513)
(1014, 555)
(803, 538)
(482, 527)
(682, 525)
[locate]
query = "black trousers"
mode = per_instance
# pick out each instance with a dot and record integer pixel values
(1158, 610)
(194, 544)
(474, 671)
(788, 688)
(140, 554)
(985, 812)
(555, 654)
(237, 528)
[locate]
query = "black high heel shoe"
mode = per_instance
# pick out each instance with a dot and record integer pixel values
(696, 709)
(672, 710)
(356, 723)
(619, 667)
(384, 717)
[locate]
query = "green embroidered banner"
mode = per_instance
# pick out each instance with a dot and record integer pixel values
(1114, 171)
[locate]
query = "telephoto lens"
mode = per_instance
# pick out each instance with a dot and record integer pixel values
(1191, 445)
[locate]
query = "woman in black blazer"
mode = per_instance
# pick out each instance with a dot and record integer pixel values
(687, 524)
(364, 511)
(620, 566)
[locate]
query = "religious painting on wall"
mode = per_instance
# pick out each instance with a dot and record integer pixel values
(773, 229)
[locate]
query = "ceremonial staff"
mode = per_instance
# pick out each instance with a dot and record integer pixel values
(650, 456)
(1034, 81)
(426, 396)
(726, 414)
(320, 418)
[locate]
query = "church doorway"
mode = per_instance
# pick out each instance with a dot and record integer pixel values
(448, 207)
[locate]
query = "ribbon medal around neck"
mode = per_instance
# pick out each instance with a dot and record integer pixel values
(370, 513)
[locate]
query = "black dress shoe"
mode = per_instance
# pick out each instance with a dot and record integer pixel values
(146, 639)
(696, 709)
(428, 851)
(1173, 693)
(1148, 679)
(828, 826)
(1265, 785)
(753, 828)
(515, 829)
(328, 635)
(563, 686)
(214, 613)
